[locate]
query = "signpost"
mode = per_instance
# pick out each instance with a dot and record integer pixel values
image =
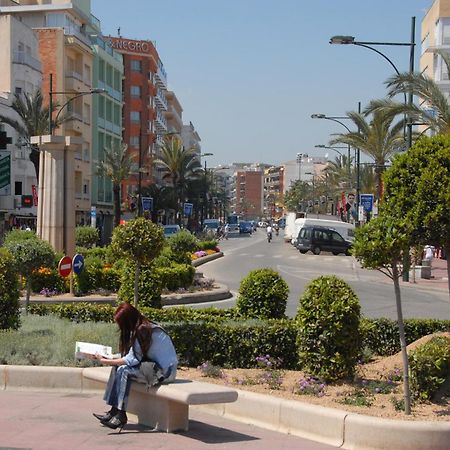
(366, 200)
(65, 266)
(147, 204)
(188, 207)
(93, 216)
(77, 263)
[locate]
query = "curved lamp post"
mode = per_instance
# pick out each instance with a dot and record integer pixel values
(205, 192)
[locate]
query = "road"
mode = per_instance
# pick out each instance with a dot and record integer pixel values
(374, 290)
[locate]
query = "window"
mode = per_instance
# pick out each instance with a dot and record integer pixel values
(18, 90)
(134, 141)
(136, 65)
(336, 237)
(135, 116)
(18, 188)
(135, 91)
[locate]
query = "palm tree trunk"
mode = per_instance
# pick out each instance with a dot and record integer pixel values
(401, 328)
(34, 158)
(379, 177)
(136, 283)
(116, 193)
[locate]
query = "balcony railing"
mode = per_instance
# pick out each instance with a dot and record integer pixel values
(24, 58)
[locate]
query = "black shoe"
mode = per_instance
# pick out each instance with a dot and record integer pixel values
(118, 421)
(107, 416)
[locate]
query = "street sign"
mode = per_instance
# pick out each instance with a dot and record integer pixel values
(93, 211)
(147, 203)
(366, 201)
(188, 207)
(77, 263)
(65, 266)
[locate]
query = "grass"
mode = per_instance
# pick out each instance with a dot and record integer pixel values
(50, 341)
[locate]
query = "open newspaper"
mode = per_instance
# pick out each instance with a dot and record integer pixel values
(85, 350)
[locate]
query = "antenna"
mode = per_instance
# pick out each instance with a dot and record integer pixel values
(118, 31)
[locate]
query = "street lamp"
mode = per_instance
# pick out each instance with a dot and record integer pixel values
(331, 148)
(299, 162)
(338, 119)
(205, 192)
(345, 40)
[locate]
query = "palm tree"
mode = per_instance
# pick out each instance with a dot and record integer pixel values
(117, 166)
(377, 138)
(434, 109)
(180, 166)
(33, 121)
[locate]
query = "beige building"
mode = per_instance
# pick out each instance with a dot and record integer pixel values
(65, 53)
(435, 35)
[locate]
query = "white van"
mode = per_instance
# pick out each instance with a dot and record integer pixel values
(346, 230)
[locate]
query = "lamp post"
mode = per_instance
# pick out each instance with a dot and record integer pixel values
(299, 162)
(205, 191)
(338, 119)
(346, 40)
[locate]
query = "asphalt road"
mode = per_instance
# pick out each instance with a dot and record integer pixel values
(375, 290)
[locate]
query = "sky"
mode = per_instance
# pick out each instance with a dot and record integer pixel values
(249, 73)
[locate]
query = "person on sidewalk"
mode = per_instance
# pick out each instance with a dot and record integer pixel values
(140, 340)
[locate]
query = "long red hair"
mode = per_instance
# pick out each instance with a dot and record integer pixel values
(133, 325)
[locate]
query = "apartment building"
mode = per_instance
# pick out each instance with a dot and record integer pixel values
(107, 74)
(273, 191)
(247, 194)
(435, 35)
(66, 56)
(143, 120)
(21, 75)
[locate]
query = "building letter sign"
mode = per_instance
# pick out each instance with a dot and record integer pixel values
(131, 46)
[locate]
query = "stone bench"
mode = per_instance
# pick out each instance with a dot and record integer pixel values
(165, 407)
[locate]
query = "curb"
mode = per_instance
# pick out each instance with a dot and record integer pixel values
(326, 425)
(221, 293)
(205, 259)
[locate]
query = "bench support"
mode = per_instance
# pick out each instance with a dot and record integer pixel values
(159, 413)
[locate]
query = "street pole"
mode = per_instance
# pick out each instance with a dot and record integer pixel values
(50, 106)
(358, 173)
(140, 174)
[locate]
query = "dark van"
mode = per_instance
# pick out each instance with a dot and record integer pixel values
(316, 239)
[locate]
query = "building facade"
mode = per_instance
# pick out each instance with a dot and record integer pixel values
(21, 76)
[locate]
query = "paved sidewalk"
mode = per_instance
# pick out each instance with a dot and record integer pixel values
(439, 277)
(55, 420)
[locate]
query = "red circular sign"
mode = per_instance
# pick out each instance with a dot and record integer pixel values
(65, 266)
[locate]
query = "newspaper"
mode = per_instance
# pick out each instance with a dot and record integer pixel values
(85, 350)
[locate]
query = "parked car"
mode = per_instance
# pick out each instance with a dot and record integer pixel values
(170, 230)
(317, 239)
(245, 228)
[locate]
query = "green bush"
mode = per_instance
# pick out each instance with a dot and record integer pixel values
(429, 367)
(176, 276)
(104, 253)
(329, 341)
(86, 236)
(19, 236)
(181, 245)
(207, 245)
(149, 286)
(262, 294)
(90, 278)
(9, 292)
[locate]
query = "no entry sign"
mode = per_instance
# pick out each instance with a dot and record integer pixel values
(65, 266)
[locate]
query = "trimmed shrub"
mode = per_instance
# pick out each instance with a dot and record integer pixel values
(9, 292)
(176, 276)
(262, 294)
(429, 367)
(149, 286)
(329, 341)
(90, 278)
(86, 236)
(19, 236)
(181, 245)
(207, 245)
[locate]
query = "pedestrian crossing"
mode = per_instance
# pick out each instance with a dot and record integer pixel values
(322, 258)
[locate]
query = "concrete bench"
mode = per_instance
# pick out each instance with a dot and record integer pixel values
(166, 407)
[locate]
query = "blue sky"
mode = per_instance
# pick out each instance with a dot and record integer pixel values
(249, 73)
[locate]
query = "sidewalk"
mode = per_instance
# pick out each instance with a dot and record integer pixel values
(438, 280)
(56, 420)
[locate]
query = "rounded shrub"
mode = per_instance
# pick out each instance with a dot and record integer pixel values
(329, 340)
(86, 236)
(9, 292)
(262, 294)
(181, 245)
(47, 278)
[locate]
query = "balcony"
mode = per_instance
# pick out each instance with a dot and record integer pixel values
(161, 78)
(74, 81)
(160, 123)
(28, 60)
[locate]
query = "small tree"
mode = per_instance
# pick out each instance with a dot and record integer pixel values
(139, 241)
(181, 244)
(86, 236)
(381, 244)
(9, 292)
(29, 255)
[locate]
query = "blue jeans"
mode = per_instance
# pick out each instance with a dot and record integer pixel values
(118, 387)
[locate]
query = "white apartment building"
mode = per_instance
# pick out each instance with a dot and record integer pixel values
(22, 75)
